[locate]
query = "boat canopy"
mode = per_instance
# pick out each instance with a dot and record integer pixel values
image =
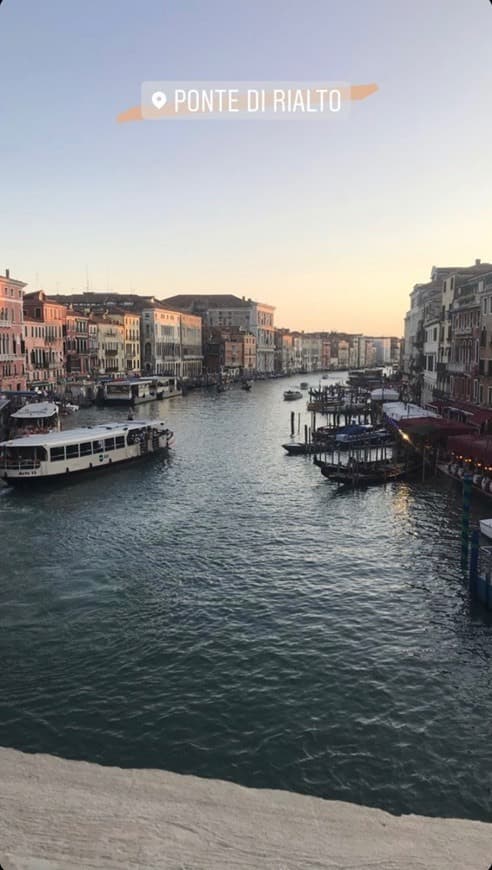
(383, 394)
(36, 411)
(403, 410)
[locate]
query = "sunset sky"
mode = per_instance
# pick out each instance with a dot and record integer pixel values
(331, 222)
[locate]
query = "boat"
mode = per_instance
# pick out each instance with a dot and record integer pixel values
(300, 448)
(34, 418)
(486, 528)
(292, 395)
(360, 474)
(134, 391)
(354, 435)
(246, 385)
(304, 385)
(67, 408)
(63, 456)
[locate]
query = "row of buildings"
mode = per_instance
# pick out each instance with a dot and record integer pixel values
(45, 340)
(447, 352)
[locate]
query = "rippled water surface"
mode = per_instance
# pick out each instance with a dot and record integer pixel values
(229, 613)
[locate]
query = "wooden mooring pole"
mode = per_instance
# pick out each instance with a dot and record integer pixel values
(465, 519)
(475, 541)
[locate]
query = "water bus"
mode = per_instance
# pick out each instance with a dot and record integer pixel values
(135, 391)
(78, 452)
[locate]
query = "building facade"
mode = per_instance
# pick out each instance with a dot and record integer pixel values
(12, 349)
(77, 355)
(226, 311)
(160, 340)
(50, 318)
(110, 341)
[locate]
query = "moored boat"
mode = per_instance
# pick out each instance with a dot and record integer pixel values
(300, 448)
(135, 391)
(34, 418)
(292, 395)
(354, 435)
(364, 473)
(77, 452)
(486, 528)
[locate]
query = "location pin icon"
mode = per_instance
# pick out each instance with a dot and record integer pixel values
(159, 99)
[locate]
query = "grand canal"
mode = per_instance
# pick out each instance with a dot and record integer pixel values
(229, 613)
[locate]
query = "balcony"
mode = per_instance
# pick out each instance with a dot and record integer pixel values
(458, 368)
(112, 352)
(6, 323)
(463, 330)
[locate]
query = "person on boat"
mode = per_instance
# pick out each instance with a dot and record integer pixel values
(130, 414)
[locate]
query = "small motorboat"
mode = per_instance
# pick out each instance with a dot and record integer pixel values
(246, 385)
(291, 395)
(486, 528)
(304, 385)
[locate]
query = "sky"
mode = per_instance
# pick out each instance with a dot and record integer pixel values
(331, 222)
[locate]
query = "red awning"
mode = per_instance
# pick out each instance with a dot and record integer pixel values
(478, 449)
(475, 416)
(434, 427)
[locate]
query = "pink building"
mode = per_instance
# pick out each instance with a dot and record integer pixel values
(45, 328)
(12, 373)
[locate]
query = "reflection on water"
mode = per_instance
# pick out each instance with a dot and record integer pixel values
(230, 613)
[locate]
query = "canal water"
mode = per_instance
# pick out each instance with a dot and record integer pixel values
(229, 613)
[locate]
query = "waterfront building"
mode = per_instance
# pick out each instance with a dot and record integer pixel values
(42, 363)
(485, 341)
(160, 340)
(284, 352)
(312, 352)
(110, 341)
(463, 365)
(45, 335)
(191, 352)
(431, 327)
(228, 351)
(343, 354)
(225, 310)
(171, 341)
(325, 353)
(130, 321)
(12, 361)
(440, 293)
(387, 350)
(92, 346)
(77, 354)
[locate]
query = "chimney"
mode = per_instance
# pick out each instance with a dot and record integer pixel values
(7, 273)
(477, 262)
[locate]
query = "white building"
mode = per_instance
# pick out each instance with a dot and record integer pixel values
(171, 342)
(431, 355)
(225, 310)
(110, 345)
